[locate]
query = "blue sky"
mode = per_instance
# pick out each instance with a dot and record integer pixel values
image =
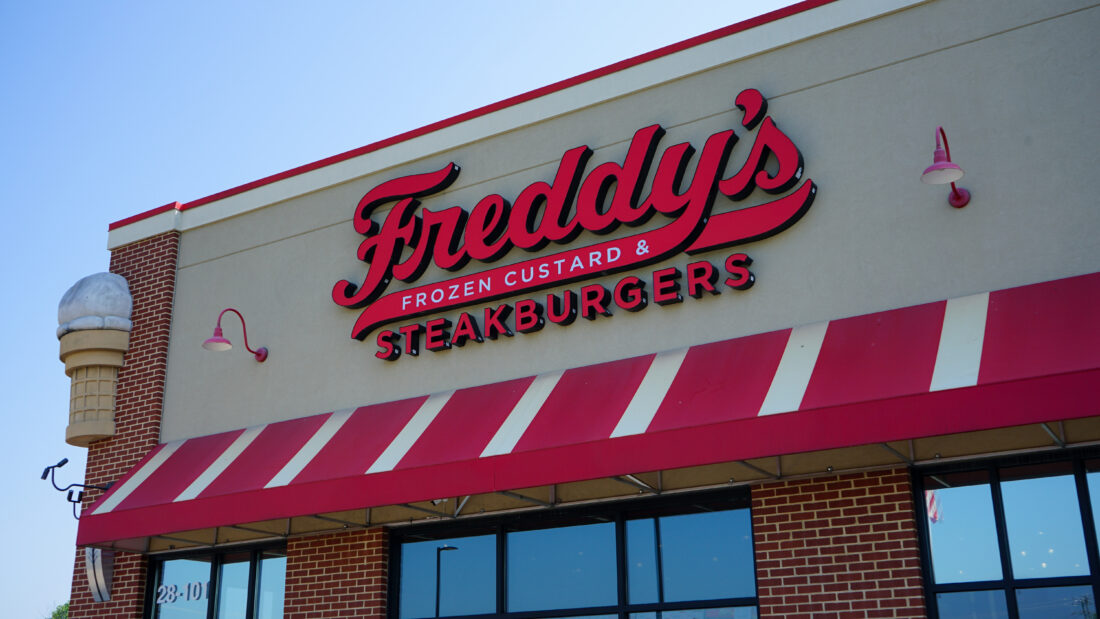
(110, 109)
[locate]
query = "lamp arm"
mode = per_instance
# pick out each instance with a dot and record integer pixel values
(244, 328)
(947, 149)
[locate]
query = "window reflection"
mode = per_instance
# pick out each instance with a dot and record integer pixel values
(272, 579)
(233, 586)
(1044, 522)
(972, 605)
(567, 567)
(641, 561)
(1056, 603)
(576, 563)
(701, 556)
(738, 612)
(964, 535)
(707, 556)
(467, 576)
(1093, 478)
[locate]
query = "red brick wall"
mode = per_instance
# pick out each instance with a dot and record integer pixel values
(337, 575)
(838, 546)
(149, 266)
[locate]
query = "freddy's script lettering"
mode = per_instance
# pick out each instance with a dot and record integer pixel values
(599, 201)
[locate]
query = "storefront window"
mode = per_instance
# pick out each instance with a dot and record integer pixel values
(467, 576)
(183, 588)
(236, 585)
(736, 612)
(973, 605)
(1010, 539)
(964, 545)
(670, 561)
(233, 586)
(1056, 603)
(272, 578)
(579, 561)
(690, 557)
(1043, 521)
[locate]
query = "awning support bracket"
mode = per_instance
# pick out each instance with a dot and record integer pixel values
(188, 541)
(631, 480)
(516, 495)
(1061, 442)
(461, 504)
(346, 523)
(425, 510)
(762, 471)
(901, 456)
(251, 530)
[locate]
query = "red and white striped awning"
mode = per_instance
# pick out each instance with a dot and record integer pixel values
(1017, 356)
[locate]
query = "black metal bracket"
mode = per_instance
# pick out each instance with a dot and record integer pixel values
(73, 497)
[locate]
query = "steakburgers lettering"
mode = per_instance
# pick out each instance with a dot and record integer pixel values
(410, 237)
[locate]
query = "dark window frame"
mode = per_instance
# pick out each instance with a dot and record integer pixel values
(617, 511)
(217, 558)
(1009, 583)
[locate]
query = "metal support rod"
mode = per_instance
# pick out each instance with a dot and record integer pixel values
(516, 495)
(251, 530)
(939, 481)
(1054, 437)
(897, 453)
(461, 504)
(347, 523)
(187, 541)
(630, 480)
(758, 469)
(425, 510)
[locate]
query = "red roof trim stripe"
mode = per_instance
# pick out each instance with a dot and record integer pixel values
(753, 22)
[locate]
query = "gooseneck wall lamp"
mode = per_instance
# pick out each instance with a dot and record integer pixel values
(943, 171)
(218, 343)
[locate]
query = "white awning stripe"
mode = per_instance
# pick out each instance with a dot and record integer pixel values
(959, 356)
(312, 447)
(410, 433)
(795, 369)
(220, 464)
(504, 441)
(138, 478)
(651, 392)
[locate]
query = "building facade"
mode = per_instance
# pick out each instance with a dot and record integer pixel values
(683, 336)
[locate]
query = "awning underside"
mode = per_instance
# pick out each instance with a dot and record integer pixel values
(885, 388)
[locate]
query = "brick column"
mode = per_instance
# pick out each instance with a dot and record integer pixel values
(149, 267)
(838, 546)
(337, 575)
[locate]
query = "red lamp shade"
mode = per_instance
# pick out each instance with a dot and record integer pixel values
(943, 171)
(218, 343)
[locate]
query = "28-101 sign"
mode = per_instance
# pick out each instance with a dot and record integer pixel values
(170, 594)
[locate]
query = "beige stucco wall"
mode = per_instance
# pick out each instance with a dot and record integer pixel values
(1014, 83)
